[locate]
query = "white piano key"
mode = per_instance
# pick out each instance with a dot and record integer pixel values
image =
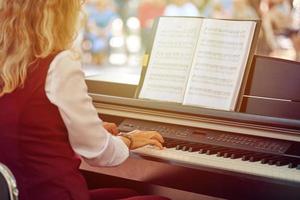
(234, 165)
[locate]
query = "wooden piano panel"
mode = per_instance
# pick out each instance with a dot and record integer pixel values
(137, 171)
(274, 109)
(273, 78)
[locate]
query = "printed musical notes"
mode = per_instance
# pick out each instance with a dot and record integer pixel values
(197, 61)
(219, 62)
(170, 59)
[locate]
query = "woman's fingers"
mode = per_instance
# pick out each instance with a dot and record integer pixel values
(157, 136)
(111, 127)
(155, 143)
(143, 138)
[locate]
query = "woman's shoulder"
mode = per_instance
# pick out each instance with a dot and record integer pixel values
(66, 61)
(70, 55)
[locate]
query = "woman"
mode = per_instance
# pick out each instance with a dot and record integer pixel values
(47, 117)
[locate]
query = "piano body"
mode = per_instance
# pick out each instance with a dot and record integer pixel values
(251, 154)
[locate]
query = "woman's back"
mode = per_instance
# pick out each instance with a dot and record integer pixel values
(34, 135)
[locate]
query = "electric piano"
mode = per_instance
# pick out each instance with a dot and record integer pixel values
(250, 154)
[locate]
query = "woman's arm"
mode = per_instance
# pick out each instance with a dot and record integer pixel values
(65, 87)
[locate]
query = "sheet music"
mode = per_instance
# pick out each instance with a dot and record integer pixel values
(171, 58)
(219, 63)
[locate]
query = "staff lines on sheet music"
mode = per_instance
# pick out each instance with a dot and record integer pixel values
(216, 79)
(168, 66)
(214, 68)
(206, 54)
(175, 45)
(221, 44)
(223, 31)
(174, 55)
(208, 92)
(212, 81)
(165, 77)
(177, 34)
(158, 87)
(179, 30)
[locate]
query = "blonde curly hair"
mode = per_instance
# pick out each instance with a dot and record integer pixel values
(30, 30)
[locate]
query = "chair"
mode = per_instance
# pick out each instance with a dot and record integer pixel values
(8, 186)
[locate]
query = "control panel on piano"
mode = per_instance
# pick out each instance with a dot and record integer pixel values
(222, 150)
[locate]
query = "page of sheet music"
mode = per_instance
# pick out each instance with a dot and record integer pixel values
(171, 58)
(220, 60)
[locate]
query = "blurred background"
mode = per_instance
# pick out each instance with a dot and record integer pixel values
(117, 32)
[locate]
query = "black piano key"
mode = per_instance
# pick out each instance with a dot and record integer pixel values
(281, 162)
(238, 154)
(268, 159)
(246, 156)
(291, 165)
(173, 143)
(181, 145)
(278, 161)
(197, 147)
(234, 153)
(264, 161)
(220, 153)
(170, 145)
(184, 148)
(292, 162)
(271, 162)
(227, 152)
(214, 150)
(202, 151)
(257, 157)
(178, 147)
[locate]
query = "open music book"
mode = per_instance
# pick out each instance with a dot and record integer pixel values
(198, 61)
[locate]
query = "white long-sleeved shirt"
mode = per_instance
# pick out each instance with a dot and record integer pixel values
(65, 87)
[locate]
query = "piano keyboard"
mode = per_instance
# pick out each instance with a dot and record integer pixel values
(219, 150)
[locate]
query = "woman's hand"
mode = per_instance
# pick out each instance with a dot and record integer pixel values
(137, 138)
(111, 127)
